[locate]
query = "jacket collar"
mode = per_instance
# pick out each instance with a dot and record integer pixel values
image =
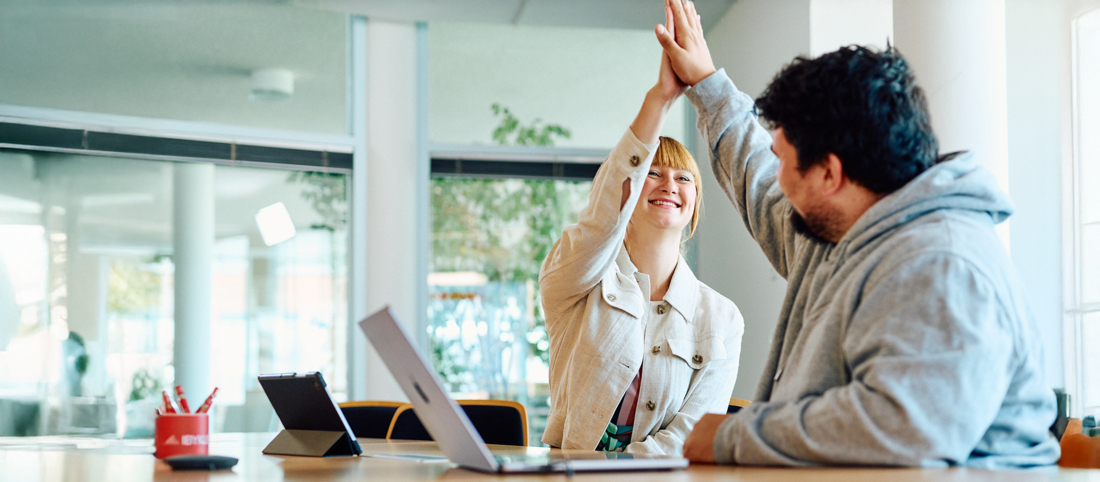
(683, 290)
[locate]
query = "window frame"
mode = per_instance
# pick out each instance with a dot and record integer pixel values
(1075, 309)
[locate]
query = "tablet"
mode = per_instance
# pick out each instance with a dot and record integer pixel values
(304, 406)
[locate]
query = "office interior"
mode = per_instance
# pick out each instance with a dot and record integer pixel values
(198, 193)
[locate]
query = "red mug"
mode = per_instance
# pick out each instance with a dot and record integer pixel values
(182, 434)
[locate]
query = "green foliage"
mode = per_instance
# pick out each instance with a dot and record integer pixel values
(327, 194)
(511, 131)
(131, 289)
(144, 385)
(502, 228)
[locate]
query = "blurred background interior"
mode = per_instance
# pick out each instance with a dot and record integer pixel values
(198, 192)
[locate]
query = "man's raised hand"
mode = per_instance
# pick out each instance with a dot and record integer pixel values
(684, 43)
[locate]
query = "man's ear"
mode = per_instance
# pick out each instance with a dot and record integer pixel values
(833, 178)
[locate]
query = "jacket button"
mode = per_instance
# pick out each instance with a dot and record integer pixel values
(656, 349)
(650, 405)
(697, 359)
(634, 161)
(610, 297)
(660, 309)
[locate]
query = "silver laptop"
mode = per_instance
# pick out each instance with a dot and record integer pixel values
(454, 433)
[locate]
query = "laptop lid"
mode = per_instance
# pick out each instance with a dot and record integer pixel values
(441, 416)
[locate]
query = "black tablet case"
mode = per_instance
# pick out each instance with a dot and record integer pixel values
(312, 423)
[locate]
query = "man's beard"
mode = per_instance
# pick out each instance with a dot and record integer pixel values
(820, 223)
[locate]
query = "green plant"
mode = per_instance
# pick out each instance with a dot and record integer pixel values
(511, 131)
(144, 385)
(130, 288)
(327, 194)
(502, 228)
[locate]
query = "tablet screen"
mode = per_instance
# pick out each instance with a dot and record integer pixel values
(303, 403)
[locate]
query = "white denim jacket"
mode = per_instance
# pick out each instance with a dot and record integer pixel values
(603, 327)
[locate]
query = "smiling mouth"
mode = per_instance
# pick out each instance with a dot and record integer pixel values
(661, 202)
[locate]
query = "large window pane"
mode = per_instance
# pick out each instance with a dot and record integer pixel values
(1088, 115)
(1090, 338)
(1090, 263)
(487, 334)
(87, 294)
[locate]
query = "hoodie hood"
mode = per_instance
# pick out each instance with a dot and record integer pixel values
(957, 183)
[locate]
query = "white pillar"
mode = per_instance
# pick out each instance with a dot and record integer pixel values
(193, 256)
(957, 50)
(391, 187)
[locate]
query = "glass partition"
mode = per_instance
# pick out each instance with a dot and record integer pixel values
(486, 330)
(87, 293)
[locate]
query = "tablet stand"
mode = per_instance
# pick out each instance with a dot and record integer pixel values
(310, 443)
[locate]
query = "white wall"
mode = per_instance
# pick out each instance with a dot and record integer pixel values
(1038, 102)
(836, 23)
(591, 81)
(752, 42)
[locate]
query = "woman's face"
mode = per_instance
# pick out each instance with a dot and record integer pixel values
(667, 200)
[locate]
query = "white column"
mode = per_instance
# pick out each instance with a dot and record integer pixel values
(957, 50)
(391, 187)
(193, 256)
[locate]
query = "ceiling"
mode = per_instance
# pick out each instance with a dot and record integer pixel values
(191, 60)
(628, 14)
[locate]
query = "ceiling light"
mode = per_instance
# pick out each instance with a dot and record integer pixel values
(272, 84)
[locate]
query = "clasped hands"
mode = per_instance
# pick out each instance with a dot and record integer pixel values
(686, 59)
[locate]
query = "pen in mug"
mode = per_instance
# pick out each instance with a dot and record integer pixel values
(169, 406)
(209, 401)
(183, 401)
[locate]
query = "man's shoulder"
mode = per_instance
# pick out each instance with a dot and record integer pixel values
(947, 233)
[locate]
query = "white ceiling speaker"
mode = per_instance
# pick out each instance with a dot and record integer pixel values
(272, 84)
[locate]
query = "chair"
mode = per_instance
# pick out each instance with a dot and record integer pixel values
(501, 422)
(736, 404)
(370, 418)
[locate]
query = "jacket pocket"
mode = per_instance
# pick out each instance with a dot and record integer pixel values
(697, 353)
(619, 296)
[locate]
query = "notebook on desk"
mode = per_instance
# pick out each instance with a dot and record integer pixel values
(454, 433)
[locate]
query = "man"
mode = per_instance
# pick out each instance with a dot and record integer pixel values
(905, 338)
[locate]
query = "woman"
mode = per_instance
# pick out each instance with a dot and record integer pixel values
(639, 348)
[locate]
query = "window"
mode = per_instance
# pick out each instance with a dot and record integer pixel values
(486, 332)
(1084, 308)
(87, 287)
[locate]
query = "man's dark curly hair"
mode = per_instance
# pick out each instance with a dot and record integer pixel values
(860, 104)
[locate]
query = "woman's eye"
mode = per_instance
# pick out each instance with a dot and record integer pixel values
(653, 173)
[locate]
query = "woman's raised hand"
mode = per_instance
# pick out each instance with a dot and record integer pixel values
(683, 42)
(668, 84)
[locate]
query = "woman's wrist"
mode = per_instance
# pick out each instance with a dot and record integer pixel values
(661, 97)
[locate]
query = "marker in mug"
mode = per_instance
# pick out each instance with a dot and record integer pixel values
(183, 401)
(169, 406)
(209, 400)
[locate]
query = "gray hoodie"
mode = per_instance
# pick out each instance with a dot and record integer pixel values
(909, 342)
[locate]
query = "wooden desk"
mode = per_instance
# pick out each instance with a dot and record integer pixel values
(65, 459)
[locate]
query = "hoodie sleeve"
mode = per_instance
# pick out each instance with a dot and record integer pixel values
(744, 165)
(926, 349)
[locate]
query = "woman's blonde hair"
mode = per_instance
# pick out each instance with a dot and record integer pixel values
(670, 153)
